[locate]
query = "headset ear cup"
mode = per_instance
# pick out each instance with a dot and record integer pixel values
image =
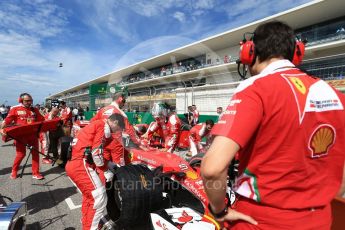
(247, 53)
(20, 100)
(298, 53)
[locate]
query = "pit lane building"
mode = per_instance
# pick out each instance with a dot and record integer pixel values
(204, 73)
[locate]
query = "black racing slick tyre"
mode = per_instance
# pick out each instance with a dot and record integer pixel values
(137, 193)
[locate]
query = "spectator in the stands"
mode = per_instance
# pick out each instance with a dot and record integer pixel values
(226, 59)
(340, 30)
(219, 110)
(163, 71)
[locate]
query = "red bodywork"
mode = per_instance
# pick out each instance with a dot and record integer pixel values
(183, 141)
(19, 132)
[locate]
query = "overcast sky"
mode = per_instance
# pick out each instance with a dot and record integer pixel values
(95, 37)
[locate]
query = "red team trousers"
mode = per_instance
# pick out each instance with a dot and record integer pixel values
(270, 218)
(93, 190)
(21, 152)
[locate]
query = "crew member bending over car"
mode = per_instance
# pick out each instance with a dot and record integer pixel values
(87, 159)
(166, 126)
(119, 100)
(196, 134)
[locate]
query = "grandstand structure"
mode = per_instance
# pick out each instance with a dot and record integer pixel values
(204, 73)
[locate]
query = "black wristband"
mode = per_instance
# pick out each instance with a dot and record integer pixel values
(220, 214)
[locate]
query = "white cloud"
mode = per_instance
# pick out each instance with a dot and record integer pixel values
(204, 4)
(18, 50)
(153, 7)
(124, 22)
(240, 14)
(254, 9)
(32, 81)
(180, 16)
(28, 64)
(151, 48)
(42, 19)
(78, 66)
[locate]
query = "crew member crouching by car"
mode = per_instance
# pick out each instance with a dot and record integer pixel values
(87, 159)
(196, 134)
(166, 127)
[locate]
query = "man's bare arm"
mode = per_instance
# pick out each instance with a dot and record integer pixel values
(342, 187)
(214, 170)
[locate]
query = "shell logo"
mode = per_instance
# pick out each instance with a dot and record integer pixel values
(298, 84)
(143, 180)
(130, 157)
(192, 175)
(321, 140)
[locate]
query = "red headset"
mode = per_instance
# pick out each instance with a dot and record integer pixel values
(247, 53)
(21, 97)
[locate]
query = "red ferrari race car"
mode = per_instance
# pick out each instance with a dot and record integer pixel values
(159, 190)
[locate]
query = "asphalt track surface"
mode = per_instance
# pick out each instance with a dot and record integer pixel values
(53, 203)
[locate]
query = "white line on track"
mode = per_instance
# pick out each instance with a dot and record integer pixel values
(71, 205)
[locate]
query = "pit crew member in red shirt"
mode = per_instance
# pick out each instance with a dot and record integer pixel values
(288, 128)
(119, 100)
(167, 126)
(22, 114)
(196, 134)
(88, 148)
